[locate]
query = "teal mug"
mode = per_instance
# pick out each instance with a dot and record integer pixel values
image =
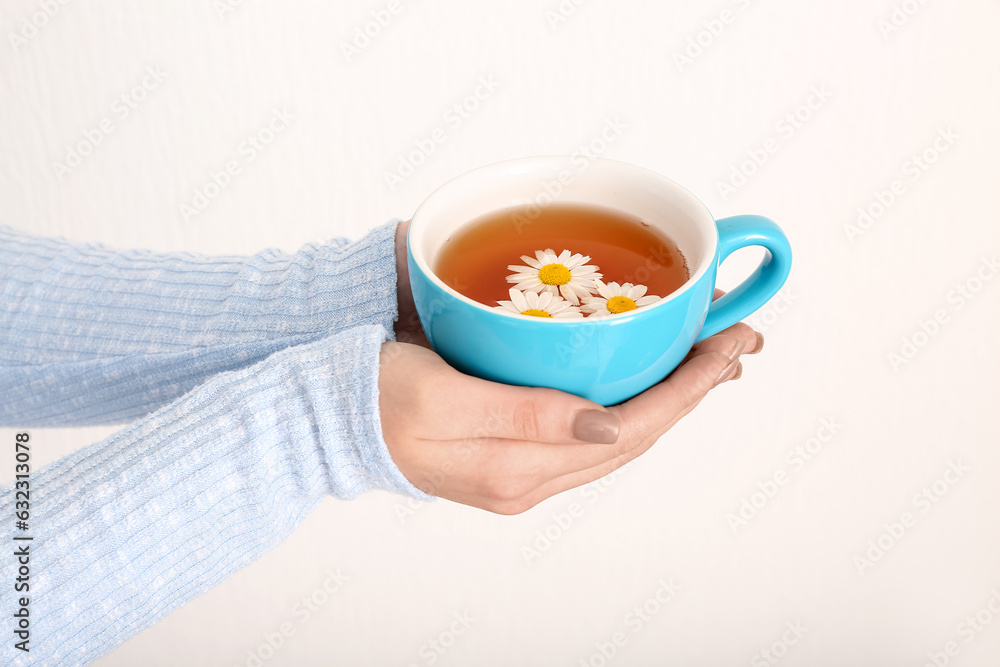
(607, 360)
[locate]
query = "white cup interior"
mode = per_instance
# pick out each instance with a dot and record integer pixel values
(567, 180)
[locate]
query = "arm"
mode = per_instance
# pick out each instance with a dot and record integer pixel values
(132, 527)
(116, 334)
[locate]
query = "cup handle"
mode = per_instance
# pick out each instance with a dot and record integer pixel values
(740, 231)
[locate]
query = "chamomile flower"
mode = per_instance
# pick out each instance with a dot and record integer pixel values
(613, 298)
(564, 274)
(539, 305)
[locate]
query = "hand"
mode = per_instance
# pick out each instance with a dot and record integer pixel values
(504, 448)
(408, 329)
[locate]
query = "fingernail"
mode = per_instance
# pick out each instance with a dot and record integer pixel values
(735, 349)
(726, 373)
(596, 426)
(760, 343)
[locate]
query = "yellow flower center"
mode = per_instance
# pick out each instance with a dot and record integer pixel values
(620, 304)
(534, 312)
(554, 274)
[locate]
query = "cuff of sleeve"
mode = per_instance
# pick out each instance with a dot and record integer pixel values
(357, 280)
(346, 389)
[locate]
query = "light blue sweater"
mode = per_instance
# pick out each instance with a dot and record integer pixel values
(252, 385)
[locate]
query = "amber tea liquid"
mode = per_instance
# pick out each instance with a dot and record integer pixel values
(474, 259)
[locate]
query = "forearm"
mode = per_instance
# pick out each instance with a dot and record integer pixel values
(134, 526)
(99, 335)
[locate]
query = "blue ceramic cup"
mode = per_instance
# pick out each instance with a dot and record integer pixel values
(607, 360)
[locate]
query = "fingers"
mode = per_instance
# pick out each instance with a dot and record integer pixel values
(543, 470)
(646, 420)
(739, 330)
(655, 409)
(407, 326)
(533, 414)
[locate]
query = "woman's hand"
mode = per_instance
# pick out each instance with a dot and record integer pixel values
(408, 329)
(505, 449)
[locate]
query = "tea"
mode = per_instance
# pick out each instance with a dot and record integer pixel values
(474, 260)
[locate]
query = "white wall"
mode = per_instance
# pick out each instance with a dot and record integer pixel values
(847, 306)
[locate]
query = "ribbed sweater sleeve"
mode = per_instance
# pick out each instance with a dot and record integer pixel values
(255, 384)
(130, 528)
(95, 335)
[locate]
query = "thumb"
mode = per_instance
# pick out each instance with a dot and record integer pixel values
(534, 414)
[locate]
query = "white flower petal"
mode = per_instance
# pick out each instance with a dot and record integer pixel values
(533, 263)
(568, 294)
(646, 300)
(559, 305)
(532, 285)
(579, 290)
(517, 298)
(611, 290)
(551, 289)
(532, 299)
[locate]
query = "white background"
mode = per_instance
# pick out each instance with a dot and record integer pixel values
(849, 303)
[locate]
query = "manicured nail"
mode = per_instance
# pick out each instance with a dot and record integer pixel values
(727, 372)
(760, 343)
(596, 426)
(735, 349)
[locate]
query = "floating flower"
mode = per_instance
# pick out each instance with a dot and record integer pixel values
(538, 305)
(564, 274)
(613, 299)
